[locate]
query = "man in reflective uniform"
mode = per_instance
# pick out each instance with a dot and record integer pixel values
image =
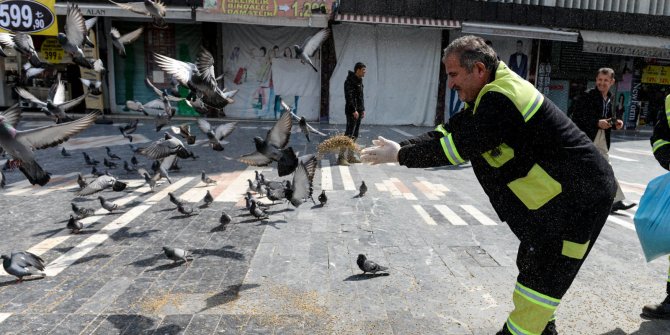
(543, 176)
(660, 141)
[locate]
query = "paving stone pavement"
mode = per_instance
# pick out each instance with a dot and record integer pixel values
(451, 260)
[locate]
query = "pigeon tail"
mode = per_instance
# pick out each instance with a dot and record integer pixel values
(35, 173)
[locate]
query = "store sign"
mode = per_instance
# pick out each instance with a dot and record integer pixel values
(655, 74)
(281, 8)
(627, 50)
(51, 51)
(33, 17)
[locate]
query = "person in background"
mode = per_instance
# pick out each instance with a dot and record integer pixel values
(354, 109)
(543, 176)
(659, 144)
(518, 61)
(592, 113)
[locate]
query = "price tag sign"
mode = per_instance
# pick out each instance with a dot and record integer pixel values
(27, 16)
(51, 51)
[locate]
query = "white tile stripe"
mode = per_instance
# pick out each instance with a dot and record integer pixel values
(347, 181)
(451, 215)
(636, 151)
(236, 190)
(49, 243)
(4, 316)
(622, 223)
(65, 186)
(483, 219)
(196, 193)
(25, 184)
(67, 259)
(623, 158)
(402, 132)
(429, 192)
(424, 215)
(390, 186)
(326, 176)
(381, 187)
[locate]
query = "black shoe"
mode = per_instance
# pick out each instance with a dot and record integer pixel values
(658, 311)
(550, 329)
(621, 206)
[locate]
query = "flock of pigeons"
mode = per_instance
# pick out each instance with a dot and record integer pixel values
(201, 80)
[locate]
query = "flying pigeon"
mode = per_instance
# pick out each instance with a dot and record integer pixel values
(369, 266)
(272, 147)
(20, 144)
(305, 128)
(217, 134)
(155, 9)
(55, 105)
(23, 43)
(176, 254)
(74, 225)
(21, 264)
(74, 37)
(118, 40)
(185, 132)
(101, 183)
(93, 86)
(308, 48)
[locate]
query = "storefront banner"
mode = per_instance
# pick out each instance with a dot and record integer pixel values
(281, 8)
(656, 74)
(634, 111)
(33, 17)
(623, 97)
(250, 53)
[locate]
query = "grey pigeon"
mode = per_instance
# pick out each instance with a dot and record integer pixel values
(20, 144)
(109, 206)
(323, 198)
(93, 86)
(118, 40)
(184, 209)
(80, 180)
(136, 106)
(208, 199)
(165, 147)
(150, 181)
(81, 212)
(155, 9)
(272, 147)
(184, 131)
(111, 154)
(305, 128)
(225, 218)
(55, 106)
(309, 47)
(23, 263)
(3, 182)
(216, 135)
(177, 254)
(205, 179)
(257, 212)
(96, 173)
(109, 164)
(129, 128)
(23, 43)
(362, 189)
(64, 153)
(127, 167)
(89, 160)
(133, 160)
(101, 183)
(73, 38)
(368, 266)
(74, 225)
(89, 24)
(174, 199)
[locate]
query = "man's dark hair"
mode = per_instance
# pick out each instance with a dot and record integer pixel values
(358, 65)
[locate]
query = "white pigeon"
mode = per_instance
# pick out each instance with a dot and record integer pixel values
(118, 40)
(155, 9)
(309, 47)
(216, 135)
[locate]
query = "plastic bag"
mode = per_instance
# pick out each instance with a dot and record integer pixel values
(652, 219)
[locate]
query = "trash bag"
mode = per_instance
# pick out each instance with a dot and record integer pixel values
(652, 219)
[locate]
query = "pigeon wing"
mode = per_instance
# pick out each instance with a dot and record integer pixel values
(224, 130)
(29, 96)
(300, 185)
(131, 36)
(71, 103)
(314, 42)
(159, 149)
(58, 95)
(97, 185)
(154, 88)
(24, 42)
(49, 136)
(204, 126)
(135, 7)
(12, 115)
(255, 159)
(280, 133)
(27, 259)
(181, 70)
(90, 23)
(7, 40)
(205, 65)
(75, 25)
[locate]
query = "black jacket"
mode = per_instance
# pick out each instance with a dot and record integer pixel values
(353, 94)
(662, 132)
(548, 139)
(587, 109)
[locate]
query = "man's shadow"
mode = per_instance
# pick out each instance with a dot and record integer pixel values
(647, 327)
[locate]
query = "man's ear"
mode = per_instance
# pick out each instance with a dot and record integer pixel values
(481, 69)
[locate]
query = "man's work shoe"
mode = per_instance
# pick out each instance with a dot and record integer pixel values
(550, 329)
(342, 161)
(658, 311)
(621, 206)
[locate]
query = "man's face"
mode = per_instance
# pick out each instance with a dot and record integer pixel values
(604, 82)
(466, 84)
(519, 47)
(360, 72)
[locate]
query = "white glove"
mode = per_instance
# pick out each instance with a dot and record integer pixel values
(383, 151)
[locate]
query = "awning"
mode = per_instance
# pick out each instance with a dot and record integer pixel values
(398, 20)
(93, 9)
(626, 44)
(519, 31)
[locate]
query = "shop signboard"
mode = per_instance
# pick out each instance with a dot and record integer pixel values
(32, 17)
(656, 74)
(276, 8)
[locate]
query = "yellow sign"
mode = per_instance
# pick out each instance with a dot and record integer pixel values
(656, 74)
(31, 17)
(51, 51)
(283, 8)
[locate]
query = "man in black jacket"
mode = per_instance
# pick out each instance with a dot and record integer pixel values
(592, 113)
(354, 109)
(543, 176)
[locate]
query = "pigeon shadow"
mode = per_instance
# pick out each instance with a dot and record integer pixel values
(316, 206)
(203, 206)
(139, 324)
(647, 327)
(150, 261)
(124, 233)
(365, 276)
(90, 258)
(168, 266)
(167, 209)
(219, 228)
(13, 281)
(230, 294)
(182, 216)
(222, 252)
(49, 232)
(357, 196)
(272, 224)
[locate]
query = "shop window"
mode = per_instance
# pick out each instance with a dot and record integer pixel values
(161, 41)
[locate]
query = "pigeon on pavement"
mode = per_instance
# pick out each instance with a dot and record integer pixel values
(20, 144)
(89, 160)
(208, 199)
(74, 225)
(368, 266)
(111, 154)
(23, 263)
(205, 179)
(80, 180)
(101, 183)
(109, 206)
(55, 106)
(323, 198)
(65, 153)
(184, 209)
(177, 254)
(362, 189)
(81, 212)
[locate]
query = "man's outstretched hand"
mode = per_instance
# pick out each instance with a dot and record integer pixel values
(383, 151)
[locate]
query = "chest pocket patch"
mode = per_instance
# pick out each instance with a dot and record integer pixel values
(498, 156)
